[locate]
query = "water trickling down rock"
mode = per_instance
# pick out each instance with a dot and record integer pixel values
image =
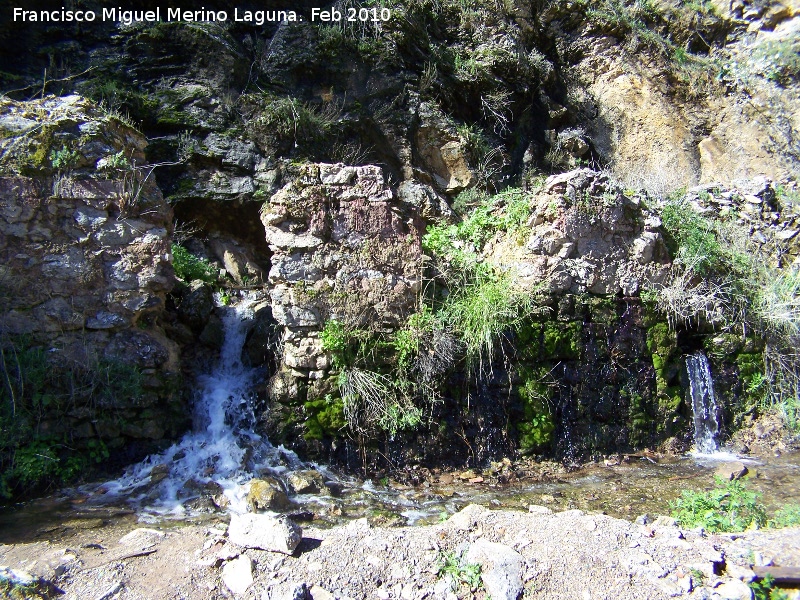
(704, 403)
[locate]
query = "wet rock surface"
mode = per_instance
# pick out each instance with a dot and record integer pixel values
(85, 252)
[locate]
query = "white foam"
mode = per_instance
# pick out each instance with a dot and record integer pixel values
(221, 449)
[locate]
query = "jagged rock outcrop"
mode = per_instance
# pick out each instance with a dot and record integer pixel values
(84, 241)
(726, 110)
(345, 248)
(588, 235)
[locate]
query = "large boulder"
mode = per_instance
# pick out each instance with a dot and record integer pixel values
(265, 532)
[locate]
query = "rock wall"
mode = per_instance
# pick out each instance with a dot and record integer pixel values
(85, 254)
(346, 248)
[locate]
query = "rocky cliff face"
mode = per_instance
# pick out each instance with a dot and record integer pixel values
(309, 161)
(85, 245)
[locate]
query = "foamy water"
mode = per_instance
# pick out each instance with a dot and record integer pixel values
(222, 450)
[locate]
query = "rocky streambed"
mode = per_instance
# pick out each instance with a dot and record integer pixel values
(550, 532)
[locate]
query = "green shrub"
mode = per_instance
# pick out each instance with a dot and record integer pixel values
(482, 310)
(288, 119)
(398, 417)
(457, 246)
(188, 267)
(336, 340)
(764, 589)
(35, 462)
(788, 516)
(64, 159)
(692, 238)
(728, 507)
(37, 386)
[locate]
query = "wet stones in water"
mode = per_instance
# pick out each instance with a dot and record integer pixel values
(265, 532)
(306, 482)
(731, 471)
(266, 494)
(159, 473)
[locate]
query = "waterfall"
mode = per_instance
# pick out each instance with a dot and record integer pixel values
(222, 451)
(704, 403)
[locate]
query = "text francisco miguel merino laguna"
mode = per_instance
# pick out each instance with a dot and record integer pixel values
(127, 17)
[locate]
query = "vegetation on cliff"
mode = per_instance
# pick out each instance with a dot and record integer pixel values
(453, 296)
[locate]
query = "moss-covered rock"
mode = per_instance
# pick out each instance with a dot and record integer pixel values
(324, 418)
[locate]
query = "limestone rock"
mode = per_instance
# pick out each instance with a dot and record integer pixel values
(237, 574)
(468, 517)
(265, 532)
(731, 470)
(742, 573)
(238, 262)
(196, 304)
(587, 235)
(441, 151)
(142, 538)
(425, 199)
(306, 482)
(734, 589)
(501, 568)
(344, 247)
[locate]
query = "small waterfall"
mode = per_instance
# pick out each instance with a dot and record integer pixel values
(222, 452)
(704, 403)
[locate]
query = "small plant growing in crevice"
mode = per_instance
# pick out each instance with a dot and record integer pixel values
(64, 158)
(189, 267)
(460, 571)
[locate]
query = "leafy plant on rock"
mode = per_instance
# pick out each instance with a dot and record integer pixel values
(460, 571)
(189, 267)
(764, 589)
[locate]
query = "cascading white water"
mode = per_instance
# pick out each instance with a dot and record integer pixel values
(704, 403)
(222, 448)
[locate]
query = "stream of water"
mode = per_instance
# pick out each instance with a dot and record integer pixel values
(704, 404)
(222, 454)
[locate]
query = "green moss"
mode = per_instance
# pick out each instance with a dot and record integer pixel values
(325, 417)
(562, 340)
(38, 158)
(662, 344)
(602, 310)
(755, 385)
(722, 345)
(537, 424)
(639, 420)
(669, 418)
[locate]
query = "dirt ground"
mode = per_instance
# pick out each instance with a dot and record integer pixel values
(566, 554)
